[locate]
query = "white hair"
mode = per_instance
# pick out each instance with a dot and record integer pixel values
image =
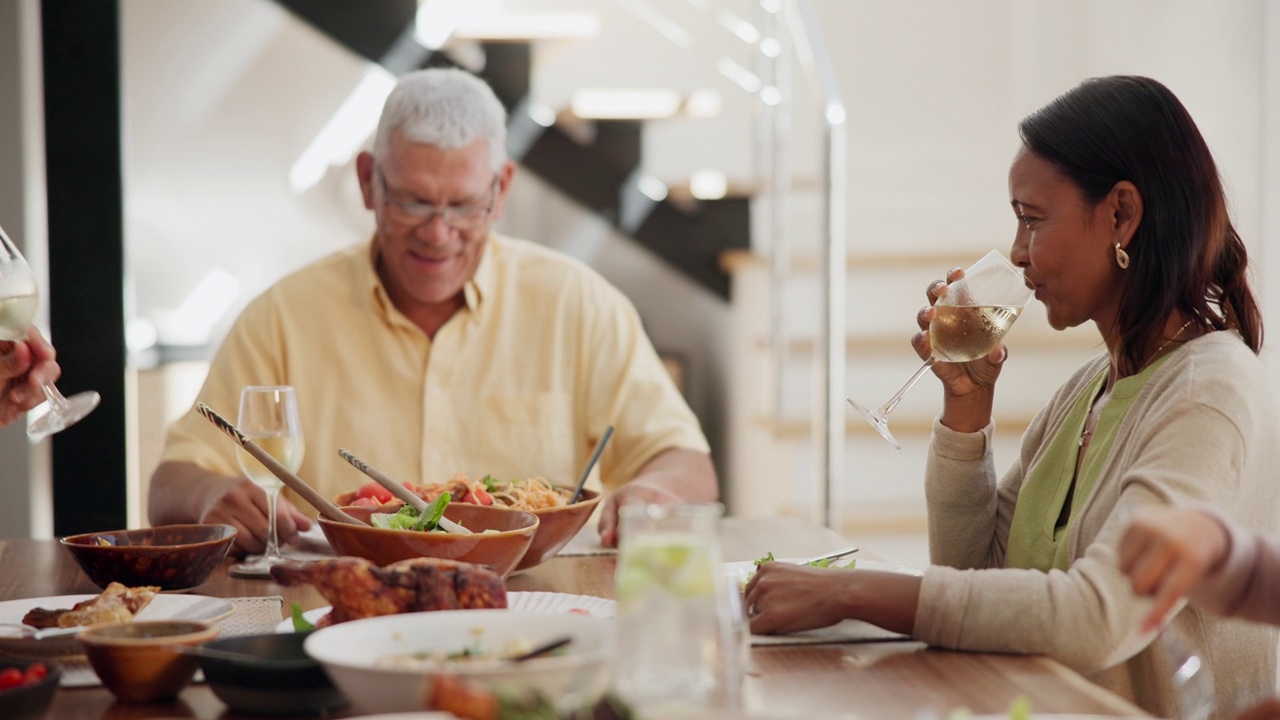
(444, 107)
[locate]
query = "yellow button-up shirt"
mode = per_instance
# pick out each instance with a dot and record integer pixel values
(522, 381)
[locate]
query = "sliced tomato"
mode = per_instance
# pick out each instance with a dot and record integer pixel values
(374, 491)
(482, 497)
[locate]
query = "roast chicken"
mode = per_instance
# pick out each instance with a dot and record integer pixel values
(356, 588)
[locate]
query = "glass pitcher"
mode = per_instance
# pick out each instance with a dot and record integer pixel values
(679, 639)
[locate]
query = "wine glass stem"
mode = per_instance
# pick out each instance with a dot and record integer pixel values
(57, 403)
(888, 407)
(273, 542)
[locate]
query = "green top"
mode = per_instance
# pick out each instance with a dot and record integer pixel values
(1034, 540)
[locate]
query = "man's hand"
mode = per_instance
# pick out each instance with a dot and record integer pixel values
(181, 492)
(1167, 551)
(633, 493)
(23, 367)
(243, 506)
(672, 476)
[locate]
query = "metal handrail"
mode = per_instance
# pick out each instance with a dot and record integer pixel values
(806, 34)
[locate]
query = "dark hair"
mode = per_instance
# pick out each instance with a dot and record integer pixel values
(1185, 255)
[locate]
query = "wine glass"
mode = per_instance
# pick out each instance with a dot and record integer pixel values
(19, 301)
(1192, 679)
(268, 417)
(969, 322)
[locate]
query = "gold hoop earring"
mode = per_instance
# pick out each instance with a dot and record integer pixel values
(1122, 257)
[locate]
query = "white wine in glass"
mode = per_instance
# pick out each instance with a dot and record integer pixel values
(969, 321)
(19, 301)
(268, 417)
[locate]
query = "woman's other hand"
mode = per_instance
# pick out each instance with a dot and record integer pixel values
(785, 598)
(1167, 551)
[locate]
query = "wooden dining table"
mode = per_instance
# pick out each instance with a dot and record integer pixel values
(871, 680)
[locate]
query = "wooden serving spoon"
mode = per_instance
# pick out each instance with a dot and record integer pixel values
(295, 483)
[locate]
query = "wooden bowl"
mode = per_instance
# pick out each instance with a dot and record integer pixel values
(138, 661)
(502, 549)
(557, 526)
(172, 557)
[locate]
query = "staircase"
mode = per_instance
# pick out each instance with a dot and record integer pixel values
(600, 168)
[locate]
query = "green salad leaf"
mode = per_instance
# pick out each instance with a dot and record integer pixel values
(300, 623)
(408, 519)
(823, 563)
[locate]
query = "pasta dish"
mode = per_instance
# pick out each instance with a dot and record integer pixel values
(529, 494)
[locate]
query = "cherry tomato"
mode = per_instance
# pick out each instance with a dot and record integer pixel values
(10, 677)
(34, 673)
(483, 497)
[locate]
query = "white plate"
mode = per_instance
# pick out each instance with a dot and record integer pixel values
(161, 607)
(548, 602)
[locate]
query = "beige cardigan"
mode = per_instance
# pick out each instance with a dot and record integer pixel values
(1204, 429)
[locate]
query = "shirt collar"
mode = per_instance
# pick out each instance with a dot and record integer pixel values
(483, 282)
(480, 286)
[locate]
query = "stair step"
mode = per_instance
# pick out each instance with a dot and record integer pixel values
(789, 429)
(872, 343)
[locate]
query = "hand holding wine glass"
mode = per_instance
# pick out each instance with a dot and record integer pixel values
(24, 366)
(268, 417)
(19, 301)
(969, 321)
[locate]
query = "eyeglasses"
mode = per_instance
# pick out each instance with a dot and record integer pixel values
(458, 217)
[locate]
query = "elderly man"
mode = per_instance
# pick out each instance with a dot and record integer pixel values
(440, 347)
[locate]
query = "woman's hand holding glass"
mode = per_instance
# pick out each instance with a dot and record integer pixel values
(962, 329)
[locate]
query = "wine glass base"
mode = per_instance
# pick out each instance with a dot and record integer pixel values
(53, 421)
(255, 567)
(877, 420)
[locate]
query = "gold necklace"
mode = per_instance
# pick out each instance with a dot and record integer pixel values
(1087, 432)
(1165, 344)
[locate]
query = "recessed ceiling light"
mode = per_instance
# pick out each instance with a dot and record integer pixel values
(704, 103)
(620, 104)
(708, 184)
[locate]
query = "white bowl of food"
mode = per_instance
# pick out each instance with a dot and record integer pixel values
(386, 664)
